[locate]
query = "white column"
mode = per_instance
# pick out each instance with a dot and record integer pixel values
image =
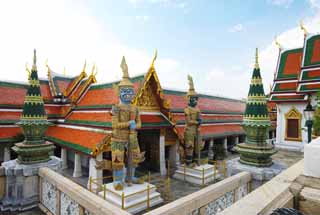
(172, 155)
(64, 158)
(77, 171)
(95, 173)
(225, 145)
(236, 140)
(162, 156)
(7, 154)
(177, 152)
(210, 152)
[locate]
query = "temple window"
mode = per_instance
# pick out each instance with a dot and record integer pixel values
(293, 125)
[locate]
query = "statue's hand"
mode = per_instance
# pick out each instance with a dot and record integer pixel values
(132, 125)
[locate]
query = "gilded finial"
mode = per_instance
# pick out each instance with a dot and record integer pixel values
(46, 63)
(256, 65)
(28, 71)
(84, 66)
(34, 66)
(64, 71)
(93, 68)
(277, 42)
(191, 91)
(303, 28)
(154, 58)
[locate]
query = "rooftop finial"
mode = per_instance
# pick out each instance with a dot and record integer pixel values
(256, 65)
(34, 66)
(84, 66)
(64, 71)
(93, 68)
(154, 58)
(28, 71)
(303, 28)
(277, 42)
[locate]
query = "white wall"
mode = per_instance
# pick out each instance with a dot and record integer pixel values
(282, 109)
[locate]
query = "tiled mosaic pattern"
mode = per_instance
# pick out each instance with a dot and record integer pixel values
(68, 205)
(223, 201)
(49, 193)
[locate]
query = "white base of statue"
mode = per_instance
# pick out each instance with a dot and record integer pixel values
(312, 158)
(135, 197)
(199, 175)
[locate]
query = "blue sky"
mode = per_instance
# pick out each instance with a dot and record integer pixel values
(212, 40)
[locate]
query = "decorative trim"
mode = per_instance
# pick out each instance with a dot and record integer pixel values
(293, 114)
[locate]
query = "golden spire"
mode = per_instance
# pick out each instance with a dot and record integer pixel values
(34, 66)
(64, 71)
(93, 68)
(303, 28)
(125, 77)
(191, 91)
(84, 66)
(154, 58)
(256, 65)
(277, 42)
(28, 71)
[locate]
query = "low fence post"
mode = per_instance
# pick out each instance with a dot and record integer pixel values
(148, 196)
(184, 172)
(104, 191)
(202, 176)
(122, 201)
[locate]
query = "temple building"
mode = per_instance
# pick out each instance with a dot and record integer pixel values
(80, 112)
(297, 80)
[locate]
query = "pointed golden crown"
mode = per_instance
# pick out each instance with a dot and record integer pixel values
(125, 82)
(256, 64)
(191, 91)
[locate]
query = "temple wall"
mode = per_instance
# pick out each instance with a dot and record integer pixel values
(281, 141)
(61, 196)
(276, 193)
(209, 200)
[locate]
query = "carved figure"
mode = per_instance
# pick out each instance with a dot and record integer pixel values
(192, 139)
(124, 142)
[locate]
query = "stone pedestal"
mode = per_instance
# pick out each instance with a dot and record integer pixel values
(133, 197)
(199, 175)
(312, 159)
(22, 184)
(259, 174)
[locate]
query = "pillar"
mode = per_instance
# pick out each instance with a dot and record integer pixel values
(95, 173)
(225, 146)
(64, 158)
(77, 171)
(7, 154)
(162, 152)
(236, 140)
(177, 152)
(210, 152)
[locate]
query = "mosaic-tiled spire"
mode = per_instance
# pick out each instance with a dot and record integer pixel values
(33, 108)
(256, 151)
(256, 112)
(34, 123)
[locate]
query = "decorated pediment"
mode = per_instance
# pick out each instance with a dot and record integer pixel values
(293, 114)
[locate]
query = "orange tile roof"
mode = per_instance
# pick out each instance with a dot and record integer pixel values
(81, 140)
(91, 116)
(8, 115)
(292, 64)
(12, 96)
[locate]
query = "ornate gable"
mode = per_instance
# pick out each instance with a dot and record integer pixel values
(150, 96)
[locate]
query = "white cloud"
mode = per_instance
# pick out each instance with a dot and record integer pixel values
(283, 3)
(142, 18)
(66, 34)
(236, 28)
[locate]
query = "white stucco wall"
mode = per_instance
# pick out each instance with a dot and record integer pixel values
(282, 109)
